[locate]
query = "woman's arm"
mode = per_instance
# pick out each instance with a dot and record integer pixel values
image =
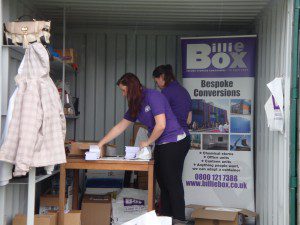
(189, 119)
(115, 132)
(160, 125)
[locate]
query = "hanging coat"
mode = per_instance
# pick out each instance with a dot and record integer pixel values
(36, 133)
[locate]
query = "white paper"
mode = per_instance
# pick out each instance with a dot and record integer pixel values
(131, 152)
(275, 87)
(132, 149)
(92, 155)
(144, 153)
(94, 148)
(223, 209)
(274, 106)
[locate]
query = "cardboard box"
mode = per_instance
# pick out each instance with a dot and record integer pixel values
(50, 203)
(79, 148)
(103, 191)
(73, 218)
(110, 150)
(55, 214)
(205, 215)
(48, 219)
(19, 220)
(96, 210)
(70, 55)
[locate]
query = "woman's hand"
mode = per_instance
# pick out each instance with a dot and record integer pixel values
(100, 145)
(114, 132)
(144, 144)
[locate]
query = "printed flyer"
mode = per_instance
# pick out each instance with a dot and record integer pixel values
(219, 73)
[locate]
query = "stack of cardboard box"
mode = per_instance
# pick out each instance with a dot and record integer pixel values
(79, 148)
(49, 202)
(51, 218)
(205, 215)
(96, 210)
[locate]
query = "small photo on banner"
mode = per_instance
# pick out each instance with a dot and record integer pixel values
(240, 142)
(239, 124)
(240, 107)
(210, 115)
(215, 141)
(196, 141)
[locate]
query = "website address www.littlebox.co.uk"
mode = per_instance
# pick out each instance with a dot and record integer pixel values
(218, 184)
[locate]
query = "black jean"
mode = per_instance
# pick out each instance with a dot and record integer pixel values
(168, 165)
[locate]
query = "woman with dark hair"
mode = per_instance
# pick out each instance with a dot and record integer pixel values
(179, 100)
(152, 109)
(178, 97)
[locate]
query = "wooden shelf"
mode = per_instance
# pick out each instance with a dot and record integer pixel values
(16, 48)
(55, 65)
(37, 178)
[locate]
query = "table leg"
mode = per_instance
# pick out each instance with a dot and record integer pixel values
(75, 190)
(62, 196)
(151, 188)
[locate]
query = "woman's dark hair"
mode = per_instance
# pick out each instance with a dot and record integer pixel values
(134, 92)
(167, 70)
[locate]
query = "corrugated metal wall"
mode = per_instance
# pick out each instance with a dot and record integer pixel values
(15, 195)
(15, 201)
(272, 148)
(104, 56)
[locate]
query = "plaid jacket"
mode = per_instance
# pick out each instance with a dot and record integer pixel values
(37, 129)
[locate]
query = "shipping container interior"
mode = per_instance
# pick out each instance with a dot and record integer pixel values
(118, 36)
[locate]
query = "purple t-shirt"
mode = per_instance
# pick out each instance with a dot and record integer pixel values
(153, 104)
(180, 102)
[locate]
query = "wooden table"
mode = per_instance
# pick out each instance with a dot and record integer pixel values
(81, 164)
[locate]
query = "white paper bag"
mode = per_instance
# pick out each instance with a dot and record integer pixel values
(150, 218)
(144, 153)
(129, 204)
(274, 106)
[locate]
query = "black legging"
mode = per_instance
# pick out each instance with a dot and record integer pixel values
(168, 164)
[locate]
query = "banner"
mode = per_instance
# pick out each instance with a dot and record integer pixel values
(218, 72)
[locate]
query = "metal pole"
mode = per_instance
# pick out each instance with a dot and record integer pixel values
(64, 51)
(293, 138)
(31, 197)
(1, 58)
(2, 189)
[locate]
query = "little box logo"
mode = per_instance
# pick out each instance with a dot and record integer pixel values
(147, 108)
(218, 55)
(133, 202)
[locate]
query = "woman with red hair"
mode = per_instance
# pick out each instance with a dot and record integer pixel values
(151, 108)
